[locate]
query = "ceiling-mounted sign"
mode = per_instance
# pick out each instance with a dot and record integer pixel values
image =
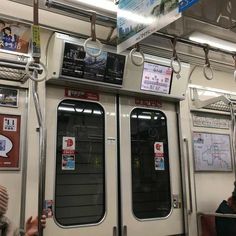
(14, 37)
(185, 4)
(138, 19)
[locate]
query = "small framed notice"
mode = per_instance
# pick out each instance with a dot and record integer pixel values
(8, 97)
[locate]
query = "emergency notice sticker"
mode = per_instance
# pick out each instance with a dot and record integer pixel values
(10, 124)
(68, 145)
(68, 153)
(159, 161)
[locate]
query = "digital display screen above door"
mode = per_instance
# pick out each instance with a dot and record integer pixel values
(107, 68)
(156, 78)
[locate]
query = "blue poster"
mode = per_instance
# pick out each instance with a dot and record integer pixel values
(68, 162)
(185, 4)
(136, 20)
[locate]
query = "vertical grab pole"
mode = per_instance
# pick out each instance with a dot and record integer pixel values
(233, 133)
(42, 151)
(36, 54)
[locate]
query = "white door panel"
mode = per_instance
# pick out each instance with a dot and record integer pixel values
(105, 226)
(173, 222)
(132, 225)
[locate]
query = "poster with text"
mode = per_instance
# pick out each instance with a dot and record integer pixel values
(9, 141)
(138, 19)
(14, 37)
(68, 162)
(159, 160)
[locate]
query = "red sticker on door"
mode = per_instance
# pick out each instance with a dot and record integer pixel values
(159, 161)
(68, 145)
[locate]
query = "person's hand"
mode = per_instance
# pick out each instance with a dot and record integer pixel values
(31, 227)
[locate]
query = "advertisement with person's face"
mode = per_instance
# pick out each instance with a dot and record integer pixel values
(14, 37)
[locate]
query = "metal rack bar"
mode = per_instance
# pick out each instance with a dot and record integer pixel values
(86, 14)
(18, 65)
(102, 18)
(192, 43)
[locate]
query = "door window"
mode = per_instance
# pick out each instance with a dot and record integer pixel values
(80, 175)
(151, 194)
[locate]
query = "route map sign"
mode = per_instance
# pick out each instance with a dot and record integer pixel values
(212, 152)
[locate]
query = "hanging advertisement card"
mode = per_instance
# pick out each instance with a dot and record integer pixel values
(14, 37)
(9, 141)
(8, 97)
(137, 20)
(159, 160)
(185, 4)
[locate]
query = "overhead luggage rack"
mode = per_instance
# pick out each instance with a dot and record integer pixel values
(220, 101)
(14, 70)
(220, 106)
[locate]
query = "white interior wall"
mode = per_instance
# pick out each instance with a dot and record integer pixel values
(12, 179)
(213, 187)
(208, 188)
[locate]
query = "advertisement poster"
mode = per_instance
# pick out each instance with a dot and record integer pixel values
(8, 97)
(48, 204)
(185, 4)
(9, 141)
(68, 162)
(68, 153)
(14, 37)
(107, 67)
(138, 19)
(159, 156)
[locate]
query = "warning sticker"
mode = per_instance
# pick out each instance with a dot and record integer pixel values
(68, 145)
(159, 161)
(10, 124)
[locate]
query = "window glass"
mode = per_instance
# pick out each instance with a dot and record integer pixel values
(151, 196)
(80, 180)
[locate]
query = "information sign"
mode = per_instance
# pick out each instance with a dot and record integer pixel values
(212, 152)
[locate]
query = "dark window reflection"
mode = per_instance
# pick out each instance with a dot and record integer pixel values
(80, 180)
(151, 195)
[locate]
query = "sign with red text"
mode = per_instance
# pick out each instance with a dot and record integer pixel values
(148, 102)
(72, 93)
(68, 145)
(159, 156)
(9, 141)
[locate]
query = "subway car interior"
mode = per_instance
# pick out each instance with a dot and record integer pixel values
(118, 116)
